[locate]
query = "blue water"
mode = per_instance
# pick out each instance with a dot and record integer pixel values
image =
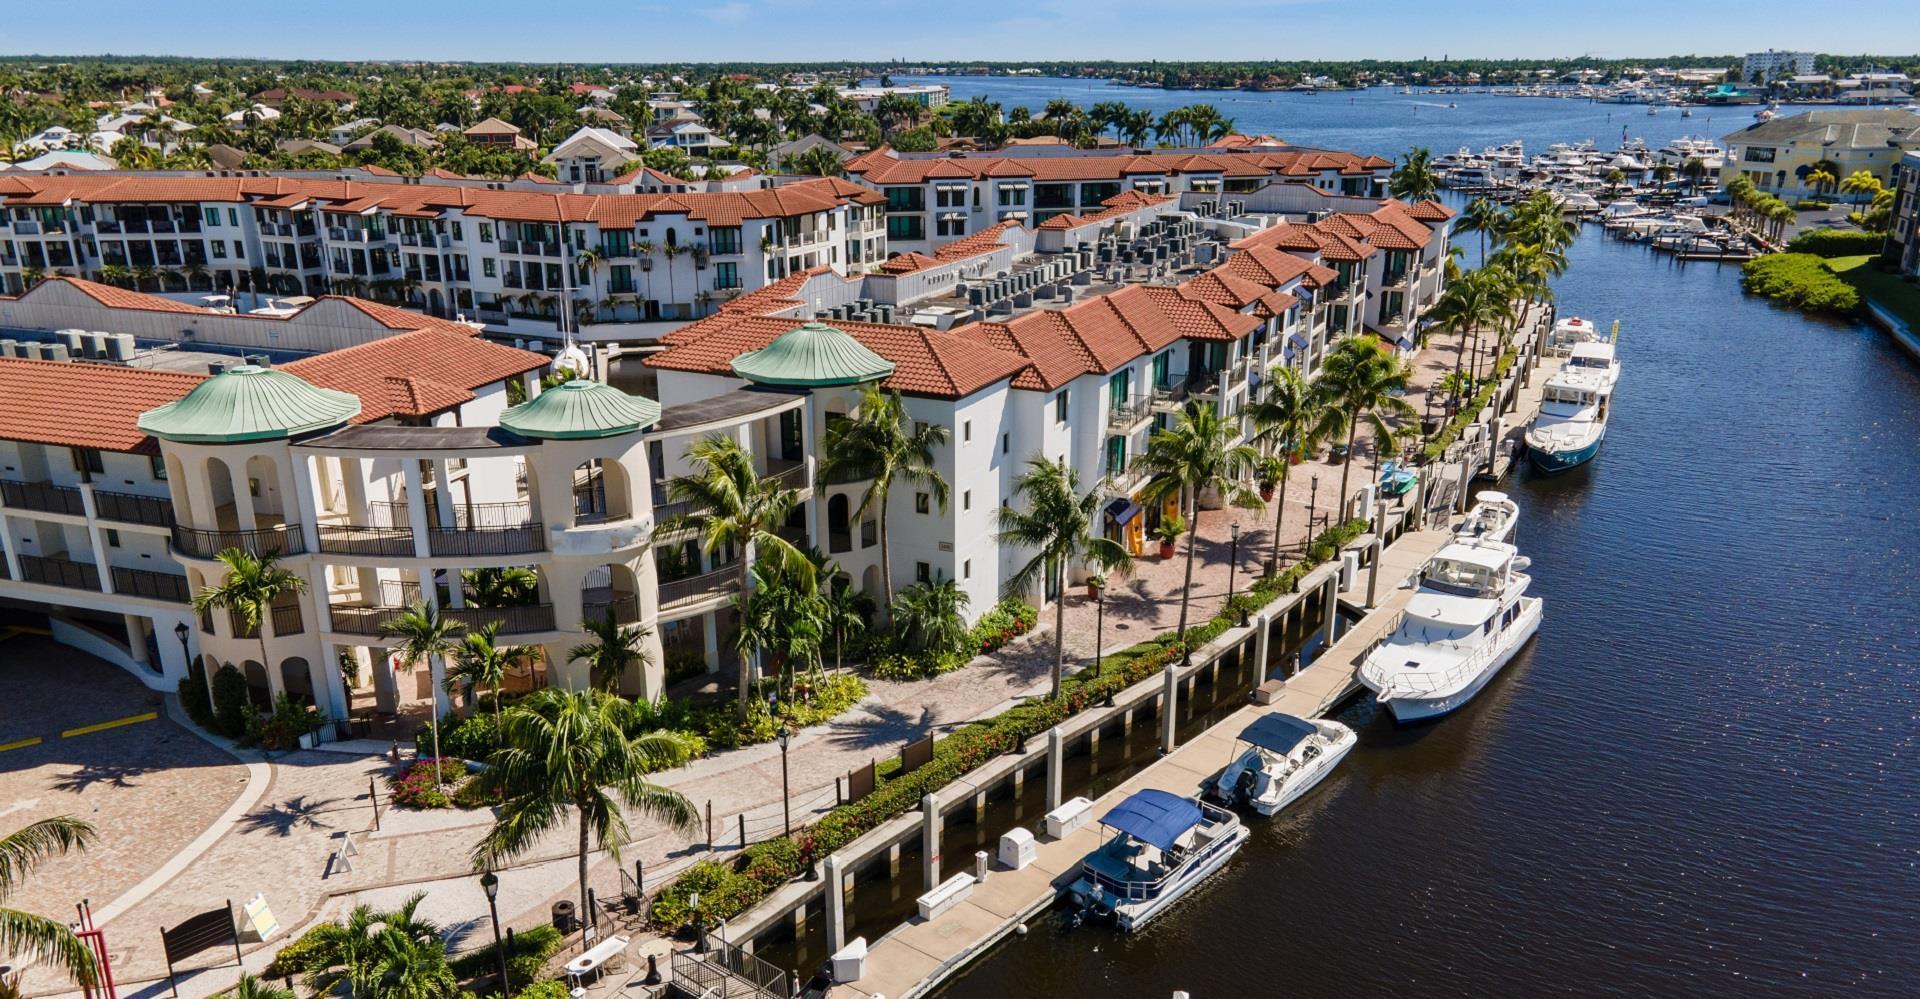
(1700, 780)
(1378, 120)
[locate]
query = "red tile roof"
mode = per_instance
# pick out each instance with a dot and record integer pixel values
(70, 404)
(1106, 333)
(414, 374)
(1430, 211)
(907, 263)
(926, 362)
(122, 298)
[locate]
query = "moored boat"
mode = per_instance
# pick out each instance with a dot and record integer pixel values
(1285, 757)
(1467, 619)
(1574, 407)
(1162, 845)
(1492, 518)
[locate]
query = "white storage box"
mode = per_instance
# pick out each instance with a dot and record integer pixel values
(1071, 815)
(1016, 849)
(850, 962)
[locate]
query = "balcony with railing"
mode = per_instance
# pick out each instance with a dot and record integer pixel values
(705, 586)
(789, 474)
(369, 619)
(358, 539)
(45, 497)
(1126, 415)
(130, 508)
(58, 570)
(284, 540)
(168, 586)
(1170, 397)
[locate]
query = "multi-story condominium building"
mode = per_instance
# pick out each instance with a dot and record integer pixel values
(1903, 237)
(508, 257)
(1765, 67)
(934, 198)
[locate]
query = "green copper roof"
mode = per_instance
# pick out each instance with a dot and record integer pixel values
(250, 403)
(812, 355)
(580, 408)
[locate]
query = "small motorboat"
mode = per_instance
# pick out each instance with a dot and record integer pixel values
(1285, 757)
(1162, 845)
(1492, 518)
(1396, 479)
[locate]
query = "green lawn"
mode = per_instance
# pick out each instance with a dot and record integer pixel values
(1887, 290)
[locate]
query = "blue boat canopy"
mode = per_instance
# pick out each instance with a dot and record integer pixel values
(1277, 732)
(1154, 817)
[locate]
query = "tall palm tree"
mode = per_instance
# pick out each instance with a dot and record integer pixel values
(425, 636)
(569, 749)
(478, 661)
(252, 584)
(844, 609)
(1286, 421)
(783, 616)
(1198, 456)
(884, 445)
(1414, 179)
(37, 937)
(1362, 383)
(734, 508)
(614, 648)
(926, 617)
(1484, 216)
(1057, 526)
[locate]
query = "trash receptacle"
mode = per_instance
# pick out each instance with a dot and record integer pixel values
(565, 917)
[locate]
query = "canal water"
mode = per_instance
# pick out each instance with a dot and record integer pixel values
(1699, 780)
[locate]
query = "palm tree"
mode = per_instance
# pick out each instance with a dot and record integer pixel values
(884, 445)
(734, 508)
(1818, 178)
(1414, 179)
(479, 662)
(783, 616)
(37, 937)
(353, 958)
(1198, 456)
(843, 609)
(252, 584)
(251, 987)
(411, 967)
(569, 749)
(424, 636)
(1362, 383)
(1863, 184)
(926, 617)
(614, 648)
(503, 586)
(1057, 526)
(1286, 420)
(670, 251)
(1484, 216)
(587, 260)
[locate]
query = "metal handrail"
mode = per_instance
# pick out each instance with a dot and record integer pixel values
(789, 474)
(1130, 413)
(482, 541)
(706, 584)
(355, 539)
(46, 497)
(52, 571)
(195, 543)
(151, 584)
(131, 508)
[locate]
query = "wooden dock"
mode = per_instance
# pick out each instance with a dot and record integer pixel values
(918, 955)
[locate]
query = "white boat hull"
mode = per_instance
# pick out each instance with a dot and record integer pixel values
(1306, 778)
(1408, 708)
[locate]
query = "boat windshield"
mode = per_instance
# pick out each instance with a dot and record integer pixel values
(1589, 361)
(1463, 579)
(1568, 395)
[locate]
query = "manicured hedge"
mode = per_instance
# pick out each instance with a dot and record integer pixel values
(1801, 280)
(731, 886)
(1471, 410)
(1836, 242)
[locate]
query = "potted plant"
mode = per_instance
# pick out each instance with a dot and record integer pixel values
(1168, 531)
(1267, 473)
(1337, 455)
(1094, 584)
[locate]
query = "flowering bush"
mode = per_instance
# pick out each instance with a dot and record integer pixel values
(1008, 620)
(417, 786)
(814, 701)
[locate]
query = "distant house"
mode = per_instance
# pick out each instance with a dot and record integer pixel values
(496, 134)
(63, 159)
(278, 96)
(407, 136)
(296, 147)
(247, 117)
(784, 151)
(606, 118)
(689, 135)
(593, 155)
(226, 157)
(1777, 155)
(340, 135)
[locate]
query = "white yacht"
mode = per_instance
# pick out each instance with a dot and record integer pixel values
(1492, 518)
(1162, 845)
(1285, 757)
(1574, 407)
(1467, 619)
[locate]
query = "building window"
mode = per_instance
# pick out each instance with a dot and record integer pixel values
(113, 538)
(219, 249)
(966, 499)
(726, 274)
(457, 232)
(950, 227)
(966, 431)
(487, 266)
(158, 465)
(906, 227)
(486, 232)
(1006, 443)
(966, 569)
(86, 459)
(1060, 408)
(922, 503)
(1013, 197)
(950, 197)
(212, 215)
(922, 572)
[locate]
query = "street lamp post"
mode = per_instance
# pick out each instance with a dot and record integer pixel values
(181, 631)
(699, 932)
(1233, 562)
(490, 883)
(1313, 503)
(1100, 635)
(786, 805)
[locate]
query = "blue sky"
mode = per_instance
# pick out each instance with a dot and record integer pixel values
(650, 31)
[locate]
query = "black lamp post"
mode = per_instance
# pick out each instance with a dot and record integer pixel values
(181, 631)
(490, 883)
(1233, 562)
(1100, 635)
(1313, 503)
(786, 807)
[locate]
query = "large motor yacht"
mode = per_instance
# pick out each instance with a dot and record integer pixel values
(1466, 620)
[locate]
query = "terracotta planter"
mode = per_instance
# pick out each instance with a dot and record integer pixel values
(1166, 549)
(1293, 458)
(1093, 590)
(1266, 492)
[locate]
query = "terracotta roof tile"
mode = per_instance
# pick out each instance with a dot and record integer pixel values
(416, 373)
(926, 362)
(69, 404)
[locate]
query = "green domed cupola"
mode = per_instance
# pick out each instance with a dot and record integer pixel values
(812, 356)
(580, 409)
(250, 403)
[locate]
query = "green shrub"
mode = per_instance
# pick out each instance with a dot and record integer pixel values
(231, 708)
(298, 956)
(194, 699)
(549, 989)
(1800, 280)
(290, 720)
(1836, 242)
(728, 888)
(814, 701)
(417, 786)
(1437, 447)
(471, 738)
(1006, 621)
(526, 958)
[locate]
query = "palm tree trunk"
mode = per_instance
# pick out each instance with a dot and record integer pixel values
(496, 710)
(586, 913)
(1353, 431)
(1279, 516)
(1186, 591)
(886, 558)
(1059, 627)
(433, 709)
(746, 665)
